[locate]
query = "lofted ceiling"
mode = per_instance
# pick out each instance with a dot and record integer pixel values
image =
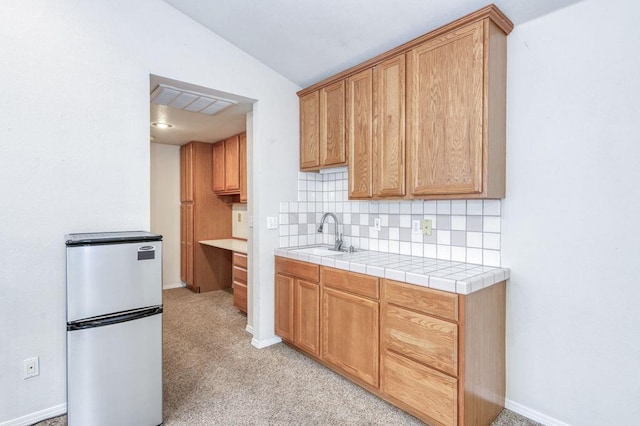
(309, 40)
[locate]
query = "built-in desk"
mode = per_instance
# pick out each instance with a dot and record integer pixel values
(233, 244)
(239, 249)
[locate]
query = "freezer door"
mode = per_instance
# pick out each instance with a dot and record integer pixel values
(115, 374)
(103, 279)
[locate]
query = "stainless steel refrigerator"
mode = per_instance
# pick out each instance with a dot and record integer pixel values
(114, 329)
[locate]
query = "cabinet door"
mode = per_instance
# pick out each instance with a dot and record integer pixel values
(243, 167)
(307, 317)
(445, 123)
(232, 164)
(389, 138)
(284, 289)
(429, 393)
(359, 123)
(186, 172)
(218, 167)
(332, 140)
(350, 335)
(310, 130)
(186, 243)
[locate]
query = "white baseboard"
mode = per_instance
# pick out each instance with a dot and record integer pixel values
(174, 285)
(264, 343)
(38, 416)
(249, 329)
(533, 414)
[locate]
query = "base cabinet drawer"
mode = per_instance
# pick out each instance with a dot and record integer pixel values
(240, 296)
(428, 393)
(423, 338)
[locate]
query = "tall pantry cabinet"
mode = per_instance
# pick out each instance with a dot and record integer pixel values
(203, 216)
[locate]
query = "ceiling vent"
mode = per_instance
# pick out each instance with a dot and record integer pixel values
(189, 101)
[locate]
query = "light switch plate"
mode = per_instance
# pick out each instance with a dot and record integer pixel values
(377, 223)
(416, 227)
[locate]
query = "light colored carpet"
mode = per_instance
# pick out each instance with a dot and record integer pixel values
(213, 376)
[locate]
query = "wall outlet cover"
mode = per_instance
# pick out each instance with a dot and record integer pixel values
(426, 226)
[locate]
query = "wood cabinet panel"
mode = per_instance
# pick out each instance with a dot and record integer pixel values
(240, 296)
(310, 131)
(332, 134)
(186, 173)
(428, 393)
(206, 217)
(307, 317)
(361, 284)
(302, 270)
(239, 274)
(240, 260)
(423, 338)
(432, 302)
(232, 164)
(243, 167)
(445, 102)
(284, 321)
(389, 132)
(359, 131)
(350, 335)
(218, 157)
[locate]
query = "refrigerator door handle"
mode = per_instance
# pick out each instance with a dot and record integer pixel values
(113, 318)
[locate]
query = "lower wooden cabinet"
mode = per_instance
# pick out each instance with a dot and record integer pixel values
(297, 308)
(437, 355)
(240, 281)
(350, 324)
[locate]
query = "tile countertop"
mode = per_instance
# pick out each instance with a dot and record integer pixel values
(454, 277)
(232, 244)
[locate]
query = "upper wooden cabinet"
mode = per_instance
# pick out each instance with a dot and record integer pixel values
(426, 119)
(229, 166)
(243, 167)
(359, 124)
(456, 109)
(388, 140)
(322, 128)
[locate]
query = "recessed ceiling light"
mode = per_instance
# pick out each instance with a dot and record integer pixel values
(161, 125)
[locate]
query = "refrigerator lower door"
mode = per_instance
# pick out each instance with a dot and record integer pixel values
(115, 374)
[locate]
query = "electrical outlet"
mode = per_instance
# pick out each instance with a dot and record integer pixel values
(415, 227)
(272, 222)
(377, 223)
(31, 367)
(426, 226)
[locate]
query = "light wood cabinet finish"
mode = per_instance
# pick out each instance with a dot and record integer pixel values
(307, 316)
(445, 110)
(359, 128)
(219, 172)
(202, 217)
(437, 355)
(443, 354)
(352, 282)
(232, 164)
(350, 336)
(243, 167)
(227, 159)
(240, 281)
(297, 304)
(450, 142)
(186, 173)
(186, 243)
(332, 135)
(426, 393)
(310, 131)
(389, 133)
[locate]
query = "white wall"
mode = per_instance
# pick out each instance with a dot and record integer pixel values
(74, 156)
(165, 208)
(571, 216)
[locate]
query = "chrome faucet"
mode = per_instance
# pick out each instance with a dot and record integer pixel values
(337, 246)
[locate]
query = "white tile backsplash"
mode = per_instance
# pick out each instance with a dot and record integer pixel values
(462, 230)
